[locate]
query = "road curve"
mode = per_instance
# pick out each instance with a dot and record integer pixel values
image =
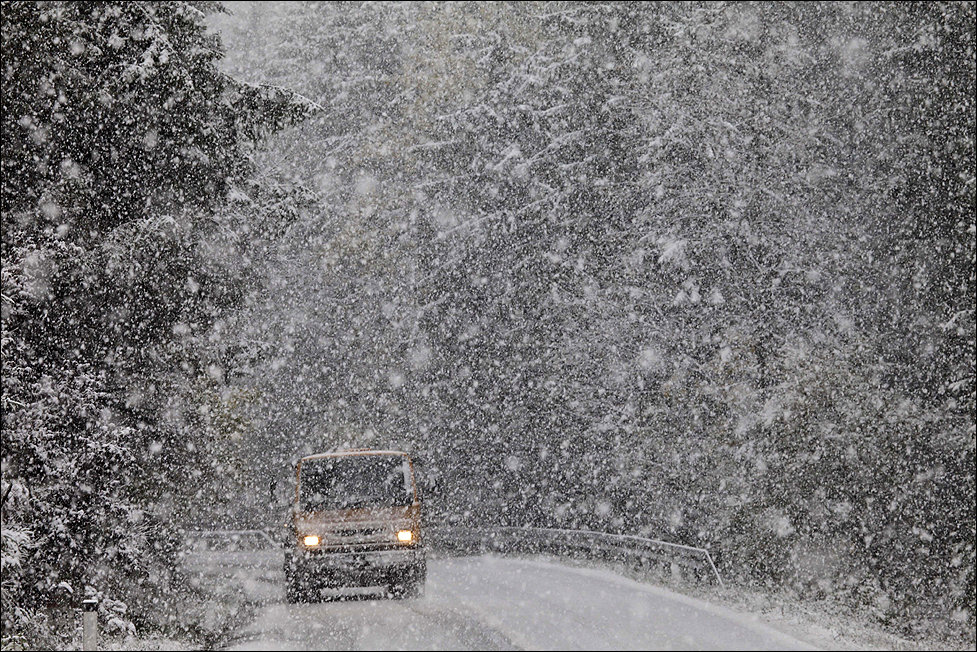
(494, 603)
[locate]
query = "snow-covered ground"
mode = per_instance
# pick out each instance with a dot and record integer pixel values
(507, 603)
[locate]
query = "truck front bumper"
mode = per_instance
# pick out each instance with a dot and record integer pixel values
(355, 568)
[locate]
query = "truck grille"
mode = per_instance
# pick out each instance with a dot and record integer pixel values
(366, 532)
(365, 537)
(356, 547)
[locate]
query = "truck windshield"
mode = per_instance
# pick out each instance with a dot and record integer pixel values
(355, 481)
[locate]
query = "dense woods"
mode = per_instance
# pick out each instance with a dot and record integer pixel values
(703, 272)
(122, 142)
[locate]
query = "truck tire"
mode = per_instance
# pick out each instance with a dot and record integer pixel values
(410, 584)
(295, 589)
(293, 592)
(420, 579)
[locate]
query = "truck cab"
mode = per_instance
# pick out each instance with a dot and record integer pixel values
(356, 521)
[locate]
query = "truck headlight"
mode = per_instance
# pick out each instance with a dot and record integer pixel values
(311, 541)
(405, 536)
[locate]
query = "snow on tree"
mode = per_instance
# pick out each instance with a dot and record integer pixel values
(701, 271)
(122, 141)
(697, 271)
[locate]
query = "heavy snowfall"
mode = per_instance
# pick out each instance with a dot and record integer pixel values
(699, 273)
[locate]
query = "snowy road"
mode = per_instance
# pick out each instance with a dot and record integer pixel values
(505, 603)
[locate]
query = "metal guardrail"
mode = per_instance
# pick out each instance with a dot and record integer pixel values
(229, 540)
(636, 550)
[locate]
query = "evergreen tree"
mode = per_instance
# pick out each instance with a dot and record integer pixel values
(122, 145)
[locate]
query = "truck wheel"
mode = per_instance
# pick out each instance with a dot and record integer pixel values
(419, 580)
(293, 592)
(295, 584)
(409, 585)
(397, 590)
(413, 590)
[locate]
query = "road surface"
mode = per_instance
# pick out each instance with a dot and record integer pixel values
(500, 603)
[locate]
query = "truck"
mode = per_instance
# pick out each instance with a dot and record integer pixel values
(355, 521)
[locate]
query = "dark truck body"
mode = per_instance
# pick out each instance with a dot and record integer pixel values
(356, 521)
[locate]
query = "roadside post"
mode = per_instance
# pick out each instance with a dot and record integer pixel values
(89, 625)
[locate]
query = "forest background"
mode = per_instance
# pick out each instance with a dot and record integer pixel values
(703, 272)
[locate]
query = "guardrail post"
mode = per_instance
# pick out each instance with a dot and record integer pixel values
(715, 571)
(89, 625)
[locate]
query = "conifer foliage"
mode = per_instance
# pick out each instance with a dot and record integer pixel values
(121, 144)
(703, 271)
